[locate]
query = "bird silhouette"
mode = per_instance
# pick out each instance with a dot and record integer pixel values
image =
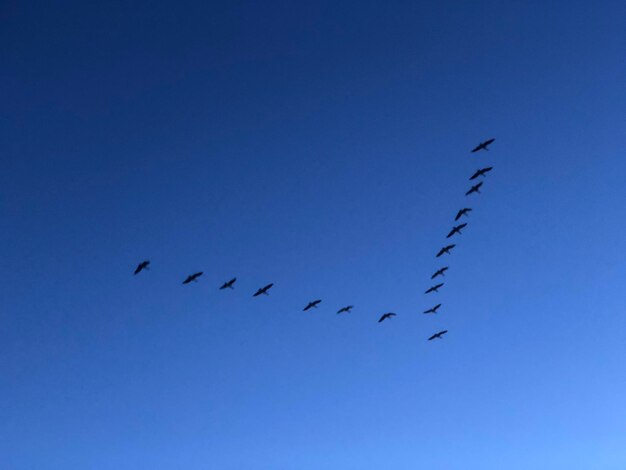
(438, 335)
(385, 316)
(192, 277)
(345, 309)
(481, 172)
(434, 288)
(439, 272)
(433, 310)
(229, 284)
(483, 145)
(445, 249)
(456, 229)
(141, 266)
(462, 212)
(312, 304)
(263, 290)
(474, 189)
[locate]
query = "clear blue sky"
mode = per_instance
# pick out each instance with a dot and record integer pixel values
(322, 146)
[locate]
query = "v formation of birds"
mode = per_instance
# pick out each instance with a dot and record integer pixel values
(440, 272)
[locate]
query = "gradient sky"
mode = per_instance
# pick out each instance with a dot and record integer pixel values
(322, 146)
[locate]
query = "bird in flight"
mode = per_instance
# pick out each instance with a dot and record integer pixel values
(445, 249)
(438, 335)
(483, 145)
(474, 189)
(345, 309)
(385, 316)
(462, 212)
(263, 290)
(434, 288)
(481, 172)
(229, 284)
(439, 272)
(456, 229)
(141, 266)
(192, 277)
(313, 304)
(433, 310)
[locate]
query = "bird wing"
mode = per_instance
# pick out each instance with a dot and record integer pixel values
(490, 141)
(458, 215)
(452, 232)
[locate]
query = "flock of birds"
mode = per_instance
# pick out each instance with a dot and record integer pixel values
(457, 229)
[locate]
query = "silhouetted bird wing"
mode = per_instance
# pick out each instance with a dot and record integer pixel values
(386, 315)
(476, 175)
(141, 266)
(438, 335)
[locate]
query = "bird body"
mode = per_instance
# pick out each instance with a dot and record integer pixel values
(192, 277)
(456, 229)
(345, 309)
(481, 172)
(438, 335)
(462, 212)
(312, 304)
(229, 284)
(141, 266)
(474, 189)
(263, 290)
(385, 316)
(445, 249)
(439, 272)
(433, 310)
(434, 288)
(483, 145)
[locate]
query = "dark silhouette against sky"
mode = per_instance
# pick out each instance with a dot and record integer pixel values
(324, 147)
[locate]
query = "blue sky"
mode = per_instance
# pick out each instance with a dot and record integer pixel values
(322, 146)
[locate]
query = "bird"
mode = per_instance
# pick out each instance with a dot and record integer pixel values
(192, 277)
(345, 309)
(141, 266)
(229, 284)
(445, 249)
(456, 229)
(483, 145)
(313, 304)
(462, 212)
(434, 288)
(474, 189)
(263, 290)
(385, 316)
(433, 310)
(438, 335)
(439, 272)
(481, 172)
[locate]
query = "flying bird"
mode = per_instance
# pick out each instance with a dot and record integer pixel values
(385, 316)
(439, 272)
(462, 212)
(313, 304)
(345, 309)
(192, 277)
(263, 290)
(434, 288)
(474, 189)
(141, 266)
(483, 145)
(438, 335)
(481, 172)
(433, 310)
(229, 284)
(456, 229)
(445, 249)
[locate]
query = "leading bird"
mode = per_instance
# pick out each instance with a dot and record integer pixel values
(141, 266)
